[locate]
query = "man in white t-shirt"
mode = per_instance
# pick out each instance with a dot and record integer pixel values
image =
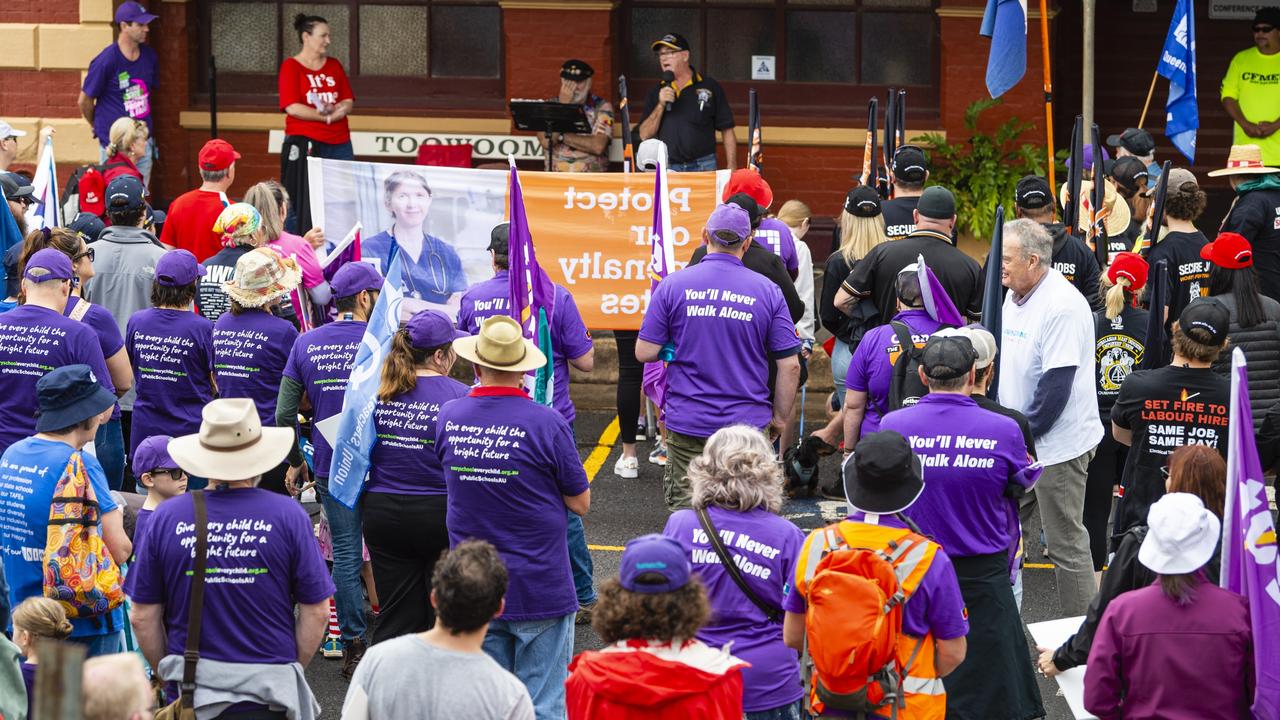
(1046, 373)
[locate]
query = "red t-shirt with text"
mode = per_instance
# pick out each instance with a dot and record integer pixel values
(299, 84)
(189, 223)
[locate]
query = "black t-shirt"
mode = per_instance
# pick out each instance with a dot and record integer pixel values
(987, 403)
(211, 299)
(875, 276)
(1165, 408)
(1256, 215)
(1118, 348)
(1076, 262)
(689, 128)
(899, 216)
(1188, 273)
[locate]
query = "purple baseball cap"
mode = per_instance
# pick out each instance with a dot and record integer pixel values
(153, 454)
(355, 277)
(654, 564)
(431, 329)
(133, 12)
(729, 224)
(178, 268)
(48, 264)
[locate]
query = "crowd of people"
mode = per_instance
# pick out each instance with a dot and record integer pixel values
(164, 377)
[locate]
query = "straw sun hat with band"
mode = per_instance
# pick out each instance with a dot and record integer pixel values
(500, 345)
(1244, 160)
(232, 443)
(262, 275)
(1119, 217)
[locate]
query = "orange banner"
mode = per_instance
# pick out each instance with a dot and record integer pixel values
(592, 230)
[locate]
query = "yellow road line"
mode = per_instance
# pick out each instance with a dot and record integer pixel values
(602, 449)
(609, 548)
(1039, 566)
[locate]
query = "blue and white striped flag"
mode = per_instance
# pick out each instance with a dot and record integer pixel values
(44, 213)
(1005, 22)
(356, 431)
(1178, 63)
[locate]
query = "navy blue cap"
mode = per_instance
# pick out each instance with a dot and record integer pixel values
(124, 193)
(654, 564)
(353, 278)
(88, 225)
(69, 395)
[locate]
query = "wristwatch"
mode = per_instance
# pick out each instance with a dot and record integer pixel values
(560, 138)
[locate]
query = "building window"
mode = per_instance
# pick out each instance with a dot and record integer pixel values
(397, 53)
(829, 54)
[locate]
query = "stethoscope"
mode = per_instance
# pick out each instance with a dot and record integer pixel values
(435, 266)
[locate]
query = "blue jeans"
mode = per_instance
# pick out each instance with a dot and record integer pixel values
(841, 356)
(340, 151)
(108, 447)
(344, 527)
(108, 644)
(537, 652)
(792, 711)
(706, 163)
(580, 560)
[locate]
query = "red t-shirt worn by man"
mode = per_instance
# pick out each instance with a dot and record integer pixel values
(300, 84)
(190, 221)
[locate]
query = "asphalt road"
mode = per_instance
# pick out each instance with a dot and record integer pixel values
(622, 509)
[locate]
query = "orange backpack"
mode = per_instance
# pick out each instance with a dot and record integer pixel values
(854, 619)
(79, 571)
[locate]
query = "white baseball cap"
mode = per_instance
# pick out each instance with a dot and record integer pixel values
(8, 131)
(650, 153)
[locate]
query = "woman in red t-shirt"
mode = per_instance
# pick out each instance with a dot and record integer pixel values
(314, 93)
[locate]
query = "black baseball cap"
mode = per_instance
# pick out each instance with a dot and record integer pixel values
(675, 41)
(883, 475)
(937, 203)
(88, 225)
(752, 207)
(1208, 319)
(1135, 140)
(1129, 174)
(947, 357)
(500, 238)
(910, 164)
(576, 70)
(862, 201)
(1033, 192)
(1268, 16)
(16, 187)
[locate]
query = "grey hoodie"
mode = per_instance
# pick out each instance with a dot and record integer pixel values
(124, 266)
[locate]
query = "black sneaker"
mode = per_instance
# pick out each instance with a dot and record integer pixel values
(352, 654)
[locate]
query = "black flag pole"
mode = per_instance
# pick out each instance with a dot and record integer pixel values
(870, 162)
(213, 98)
(890, 140)
(1071, 210)
(624, 112)
(1097, 204)
(1157, 211)
(755, 139)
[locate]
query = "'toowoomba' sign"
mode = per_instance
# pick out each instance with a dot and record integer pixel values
(483, 147)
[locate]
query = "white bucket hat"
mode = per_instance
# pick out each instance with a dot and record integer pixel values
(1182, 535)
(231, 444)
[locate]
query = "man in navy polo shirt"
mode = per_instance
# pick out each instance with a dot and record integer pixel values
(971, 457)
(686, 110)
(511, 467)
(719, 325)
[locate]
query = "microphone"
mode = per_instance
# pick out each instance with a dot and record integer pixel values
(668, 79)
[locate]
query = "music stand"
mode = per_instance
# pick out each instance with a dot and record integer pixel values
(550, 117)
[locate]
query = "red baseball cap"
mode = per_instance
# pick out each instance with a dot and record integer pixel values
(217, 155)
(1229, 250)
(1129, 265)
(748, 181)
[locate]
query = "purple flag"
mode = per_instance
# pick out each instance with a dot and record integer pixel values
(661, 264)
(531, 293)
(1249, 545)
(936, 300)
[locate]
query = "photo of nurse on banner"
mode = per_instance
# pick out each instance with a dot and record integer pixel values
(437, 220)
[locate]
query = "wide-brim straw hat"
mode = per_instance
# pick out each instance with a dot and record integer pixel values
(232, 443)
(262, 275)
(500, 345)
(1244, 160)
(1120, 217)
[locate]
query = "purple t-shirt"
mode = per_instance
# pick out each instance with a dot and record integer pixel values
(969, 456)
(172, 356)
(321, 361)
(774, 235)
(508, 464)
(104, 324)
(871, 369)
(569, 335)
(727, 323)
(33, 341)
(768, 547)
(936, 606)
(249, 354)
(403, 459)
(263, 559)
(121, 87)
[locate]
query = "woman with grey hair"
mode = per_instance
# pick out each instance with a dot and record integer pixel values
(737, 493)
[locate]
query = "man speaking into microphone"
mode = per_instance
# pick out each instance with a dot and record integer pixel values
(686, 109)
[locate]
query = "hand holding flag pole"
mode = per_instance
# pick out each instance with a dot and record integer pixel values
(624, 112)
(870, 162)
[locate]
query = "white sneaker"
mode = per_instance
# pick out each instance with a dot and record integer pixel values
(627, 467)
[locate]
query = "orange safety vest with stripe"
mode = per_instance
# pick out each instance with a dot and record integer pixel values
(922, 691)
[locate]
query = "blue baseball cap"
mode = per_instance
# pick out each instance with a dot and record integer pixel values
(153, 454)
(431, 329)
(48, 264)
(355, 277)
(69, 395)
(125, 192)
(133, 12)
(654, 564)
(178, 268)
